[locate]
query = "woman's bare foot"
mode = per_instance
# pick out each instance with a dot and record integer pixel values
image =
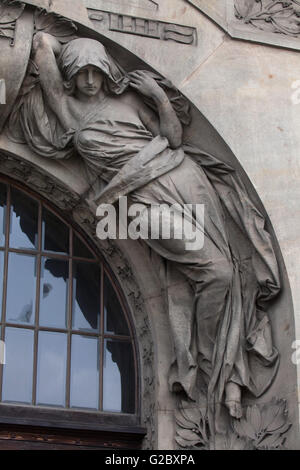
(233, 400)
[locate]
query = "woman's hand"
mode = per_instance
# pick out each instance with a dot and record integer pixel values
(42, 40)
(146, 85)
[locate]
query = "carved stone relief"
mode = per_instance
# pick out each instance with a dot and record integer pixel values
(128, 129)
(262, 427)
(273, 16)
(275, 22)
(149, 28)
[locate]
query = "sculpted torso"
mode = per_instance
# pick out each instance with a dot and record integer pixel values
(89, 92)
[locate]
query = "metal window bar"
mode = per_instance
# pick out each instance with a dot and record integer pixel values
(102, 336)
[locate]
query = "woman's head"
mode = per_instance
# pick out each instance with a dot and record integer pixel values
(85, 65)
(89, 80)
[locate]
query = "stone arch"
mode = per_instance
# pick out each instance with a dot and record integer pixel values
(121, 262)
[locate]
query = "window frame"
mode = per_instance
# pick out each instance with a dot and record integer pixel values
(65, 418)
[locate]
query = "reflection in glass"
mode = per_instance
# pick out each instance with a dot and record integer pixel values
(21, 288)
(114, 318)
(84, 372)
(23, 221)
(3, 194)
(54, 292)
(55, 233)
(51, 371)
(118, 377)
(80, 250)
(86, 296)
(18, 370)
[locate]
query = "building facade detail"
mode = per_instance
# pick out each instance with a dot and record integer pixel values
(133, 133)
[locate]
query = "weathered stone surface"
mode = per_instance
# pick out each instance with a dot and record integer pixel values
(14, 56)
(244, 90)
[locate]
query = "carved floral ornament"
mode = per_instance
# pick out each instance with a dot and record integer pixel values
(262, 427)
(270, 15)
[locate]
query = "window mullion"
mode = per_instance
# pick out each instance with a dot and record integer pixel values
(37, 305)
(4, 295)
(87, 305)
(101, 339)
(69, 319)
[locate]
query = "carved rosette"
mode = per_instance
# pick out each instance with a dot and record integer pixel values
(270, 15)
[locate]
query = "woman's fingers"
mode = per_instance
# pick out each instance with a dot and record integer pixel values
(133, 85)
(137, 74)
(137, 82)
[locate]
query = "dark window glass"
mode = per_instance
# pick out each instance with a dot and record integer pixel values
(114, 318)
(86, 296)
(24, 221)
(51, 370)
(80, 250)
(54, 293)
(118, 377)
(55, 233)
(18, 370)
(3, 196)
(21, 289)
(68, 343)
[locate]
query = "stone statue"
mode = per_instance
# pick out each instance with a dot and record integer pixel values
(130, 134)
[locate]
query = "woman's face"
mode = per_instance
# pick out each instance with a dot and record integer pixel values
(89, 80)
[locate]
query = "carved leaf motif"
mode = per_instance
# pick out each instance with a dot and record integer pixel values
(244, 7)
(254, 418)
(263, 426)
(185, 444)
(276, 16)
(244, 428)
(273, 441)
(192, 415)
(231, 441)
(189, 436)
(274, 418)
(184, 423)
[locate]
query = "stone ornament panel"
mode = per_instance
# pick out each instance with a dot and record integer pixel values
(149, 28)
(265, 21)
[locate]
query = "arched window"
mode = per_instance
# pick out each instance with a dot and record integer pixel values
(70, 349)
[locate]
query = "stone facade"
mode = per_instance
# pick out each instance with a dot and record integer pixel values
(243, 91)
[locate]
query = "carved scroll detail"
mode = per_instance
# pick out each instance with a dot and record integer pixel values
(144, 27)
(262, 427)
(270, 15)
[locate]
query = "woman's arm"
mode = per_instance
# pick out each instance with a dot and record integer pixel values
(45, 48)
(169, 124)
